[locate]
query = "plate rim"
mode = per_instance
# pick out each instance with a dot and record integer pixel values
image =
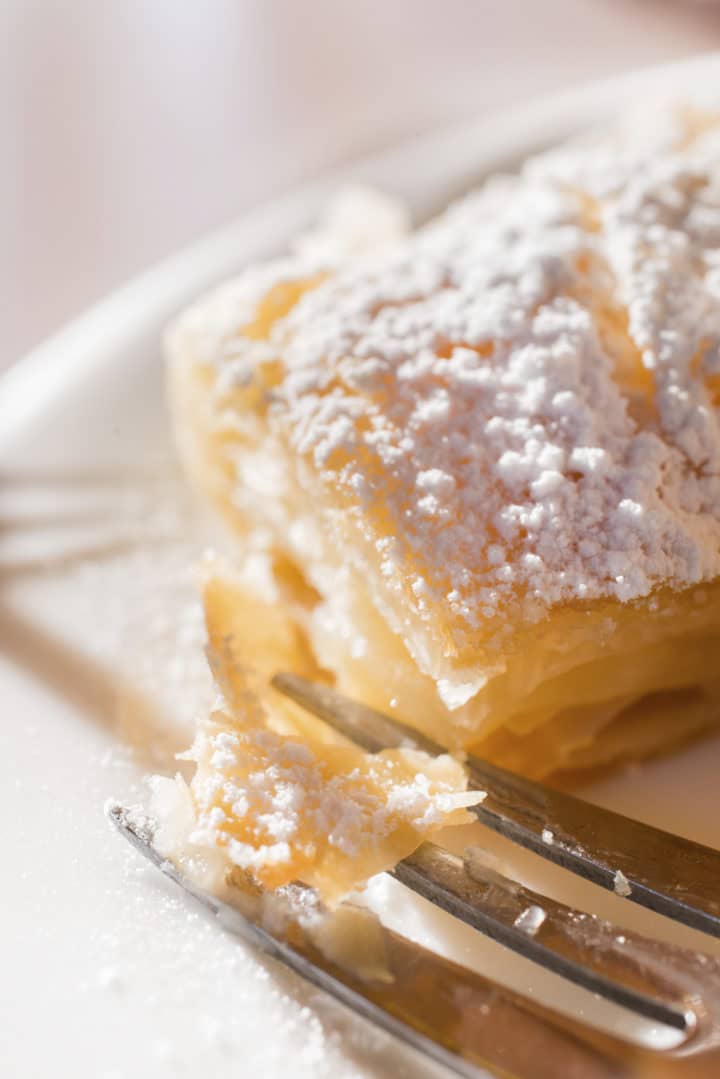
(155, 293)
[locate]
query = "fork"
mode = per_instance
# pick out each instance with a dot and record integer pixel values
(460, 1018)
(663, 872)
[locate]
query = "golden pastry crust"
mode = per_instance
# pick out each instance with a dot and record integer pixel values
(488, 458)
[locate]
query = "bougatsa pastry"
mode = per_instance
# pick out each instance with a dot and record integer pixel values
(480, 461)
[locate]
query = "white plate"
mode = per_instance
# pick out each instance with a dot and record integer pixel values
(106, 970)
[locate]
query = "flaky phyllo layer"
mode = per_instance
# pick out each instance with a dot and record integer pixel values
(277, 795)
(481, 461)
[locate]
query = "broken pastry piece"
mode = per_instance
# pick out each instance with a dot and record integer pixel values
(279, 796)
(483, 461)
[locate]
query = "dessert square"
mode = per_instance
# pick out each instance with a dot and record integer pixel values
(479, 462)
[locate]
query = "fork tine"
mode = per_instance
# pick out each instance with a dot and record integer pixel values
(640, 975)
(651, 978)
(368, 728)
(656, 869)
(457, 1017)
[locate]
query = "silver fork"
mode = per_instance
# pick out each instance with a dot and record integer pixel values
(663, 872)
(667, 984)
(463, 1019)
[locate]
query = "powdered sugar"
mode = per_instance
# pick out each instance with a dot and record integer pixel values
(621, 885)
(516, 401)
(263, 797)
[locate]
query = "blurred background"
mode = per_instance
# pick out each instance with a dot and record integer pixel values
(131, 127)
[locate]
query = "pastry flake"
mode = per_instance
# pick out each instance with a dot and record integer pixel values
(277, 793)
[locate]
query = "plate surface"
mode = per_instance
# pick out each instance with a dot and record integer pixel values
(107, 971)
